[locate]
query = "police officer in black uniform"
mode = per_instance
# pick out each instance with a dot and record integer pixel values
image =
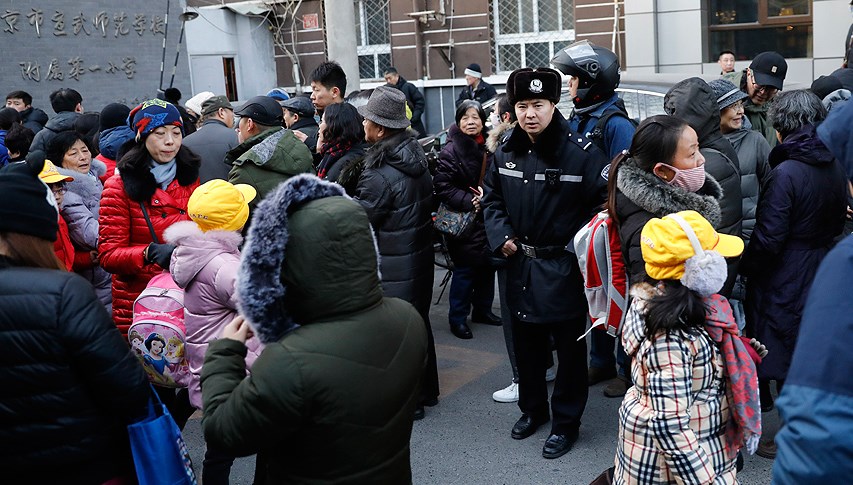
(544, 184)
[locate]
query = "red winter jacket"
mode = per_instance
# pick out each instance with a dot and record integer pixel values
(62, 246)
(111, 167)
(124, 234)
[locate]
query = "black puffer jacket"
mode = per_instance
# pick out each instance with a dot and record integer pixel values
(694, 101)
(396, 191)
(70, 383)
(642, 196)
(752, 152)
(459, 167)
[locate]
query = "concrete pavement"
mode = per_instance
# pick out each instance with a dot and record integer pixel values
(465, 439)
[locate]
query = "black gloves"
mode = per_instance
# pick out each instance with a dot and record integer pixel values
(160, 254)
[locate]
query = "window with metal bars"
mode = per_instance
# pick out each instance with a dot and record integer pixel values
(749, 27)
(529, 32)
(374, 44)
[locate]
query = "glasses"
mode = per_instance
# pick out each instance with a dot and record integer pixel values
(58, 189)
(759, 88)
(738, 106)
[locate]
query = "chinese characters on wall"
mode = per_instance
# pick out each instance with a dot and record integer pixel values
(100, 24)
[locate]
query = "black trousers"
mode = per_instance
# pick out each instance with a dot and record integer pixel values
(532, 346)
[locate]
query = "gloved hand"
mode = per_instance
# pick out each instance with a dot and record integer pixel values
(160, 254)
(755, 349)
(759, 347)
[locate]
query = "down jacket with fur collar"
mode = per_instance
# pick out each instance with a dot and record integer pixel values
(80, 210)
(642, 196)
(124, 234)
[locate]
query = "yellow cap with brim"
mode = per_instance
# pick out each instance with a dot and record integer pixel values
(666, 246)
(50, 175)
(220, 205)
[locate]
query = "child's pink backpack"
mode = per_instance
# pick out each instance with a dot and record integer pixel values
(157, 333)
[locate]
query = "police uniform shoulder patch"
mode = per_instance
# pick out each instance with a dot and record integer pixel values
(580, 141)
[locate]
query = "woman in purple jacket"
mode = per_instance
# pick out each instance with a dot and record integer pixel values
(205, 264)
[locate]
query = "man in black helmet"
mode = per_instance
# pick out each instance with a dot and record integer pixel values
(600, 115)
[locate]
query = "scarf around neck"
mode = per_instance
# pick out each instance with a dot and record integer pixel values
(744, 427)
(332, 152)
(164, 173)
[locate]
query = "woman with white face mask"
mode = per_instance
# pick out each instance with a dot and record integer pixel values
(663, 172)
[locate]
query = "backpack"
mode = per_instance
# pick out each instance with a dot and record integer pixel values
(597, 133)
(157, 333)
(599, 254)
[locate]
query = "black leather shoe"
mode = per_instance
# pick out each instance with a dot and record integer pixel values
(461, 331)
(430, 402)
(487, 318)
(419, 413)
(526, 426)
(558, 445)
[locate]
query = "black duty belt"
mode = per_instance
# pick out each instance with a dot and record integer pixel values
(542, 252)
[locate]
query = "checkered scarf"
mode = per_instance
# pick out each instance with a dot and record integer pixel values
(744, 429)
(332, 152)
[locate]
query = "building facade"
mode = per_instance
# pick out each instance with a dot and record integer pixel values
(430, 42)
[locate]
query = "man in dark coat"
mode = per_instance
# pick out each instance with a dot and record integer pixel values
(476, 88)
(396, 190)
(214, 139)
(68, 105)
(414, 98)
(544, 184)
(298, 113)
(32, 118)
(694, 101)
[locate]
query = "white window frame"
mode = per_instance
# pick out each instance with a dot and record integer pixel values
(524, 38)
(365, 49)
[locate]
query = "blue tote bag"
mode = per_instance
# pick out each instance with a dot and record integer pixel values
(159, 453)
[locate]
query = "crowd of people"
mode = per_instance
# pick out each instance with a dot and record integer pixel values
(300, 230)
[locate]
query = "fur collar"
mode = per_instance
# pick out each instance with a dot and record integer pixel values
(260, 287)
(139, 182)
(547, 143)
(499, 134)
(464, 146)
(651, 194)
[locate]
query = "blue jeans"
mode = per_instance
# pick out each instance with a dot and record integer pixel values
(470, 286)
(601, 353)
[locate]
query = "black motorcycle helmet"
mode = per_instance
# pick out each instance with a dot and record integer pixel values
(596, 68)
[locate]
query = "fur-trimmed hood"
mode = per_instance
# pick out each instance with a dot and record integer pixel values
(196, 248)
(499, 134)
(310, 256)
(87, 186)
(651, 194)
(139, 182)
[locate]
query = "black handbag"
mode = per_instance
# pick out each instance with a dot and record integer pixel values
(456, 223)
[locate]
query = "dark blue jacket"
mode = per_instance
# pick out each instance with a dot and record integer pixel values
(836, 134)
(801, 210)
(112, 139)
(618, 131)
(4, 152)
(815, 445)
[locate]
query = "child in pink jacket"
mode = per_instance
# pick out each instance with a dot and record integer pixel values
(205, 264)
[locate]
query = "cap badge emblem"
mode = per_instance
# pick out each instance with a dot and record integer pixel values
(773, 69)
(536, 86)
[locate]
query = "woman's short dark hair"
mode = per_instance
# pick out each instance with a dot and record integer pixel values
(465, 106)
(9, 116)
(343, 124)
(61, 143)
(791, 110)
(656, 140)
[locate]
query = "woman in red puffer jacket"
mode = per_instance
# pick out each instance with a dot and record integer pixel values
(160, 175)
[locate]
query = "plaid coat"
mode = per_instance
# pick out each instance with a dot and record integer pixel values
(672, 422)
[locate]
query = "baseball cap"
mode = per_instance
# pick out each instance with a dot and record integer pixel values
(220, 205)
(769, 69)
(213, 105)
(666, 245)
(300, 105)
(261, 109)
(50, 175)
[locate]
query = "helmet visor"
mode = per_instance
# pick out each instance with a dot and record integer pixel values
(584, 57)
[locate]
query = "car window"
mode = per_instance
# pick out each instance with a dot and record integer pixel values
(629, 97)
